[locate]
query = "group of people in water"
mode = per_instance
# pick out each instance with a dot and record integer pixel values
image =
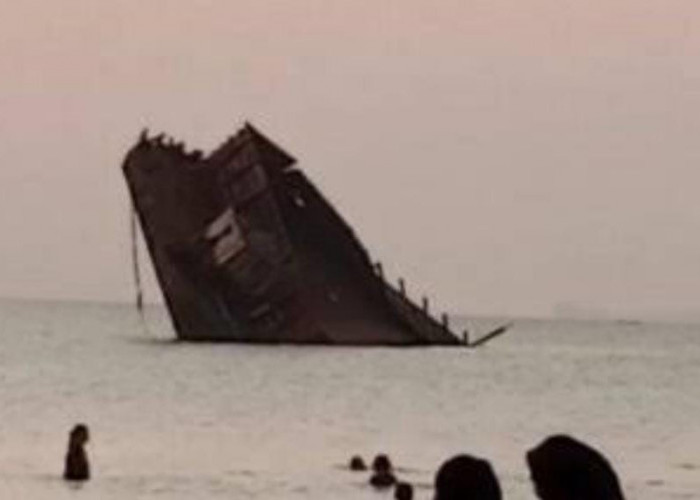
(561, 468)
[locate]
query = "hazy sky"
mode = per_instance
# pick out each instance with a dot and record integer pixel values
(502, 155)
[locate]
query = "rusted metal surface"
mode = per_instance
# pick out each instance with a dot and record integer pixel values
(246, 249)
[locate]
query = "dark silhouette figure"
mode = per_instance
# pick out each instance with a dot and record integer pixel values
(357, 464)
(382, 463)
(403, 491)
(383, 476)
(77, 467)
(466, 478)
(563, 468)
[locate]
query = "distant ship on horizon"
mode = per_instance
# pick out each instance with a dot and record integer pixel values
(246, 249)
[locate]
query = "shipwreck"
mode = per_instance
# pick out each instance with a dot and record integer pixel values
(246, 249)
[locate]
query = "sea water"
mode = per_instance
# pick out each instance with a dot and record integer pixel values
(173, 420)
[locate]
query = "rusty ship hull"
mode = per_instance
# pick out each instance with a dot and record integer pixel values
(246, 249)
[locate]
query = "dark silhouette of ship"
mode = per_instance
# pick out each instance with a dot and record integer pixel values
(246, 249)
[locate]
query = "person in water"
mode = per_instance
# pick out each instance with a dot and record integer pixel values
(464, 477)
(563, 468)
(77, 467)
(383, 476)
(403, 491)
(357, 464)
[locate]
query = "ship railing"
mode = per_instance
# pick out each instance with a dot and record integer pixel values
(410, 309)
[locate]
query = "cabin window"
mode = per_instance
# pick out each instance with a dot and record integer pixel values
(248, 185)
(225, 237)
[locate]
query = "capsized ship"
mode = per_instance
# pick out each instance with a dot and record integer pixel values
(246, 249)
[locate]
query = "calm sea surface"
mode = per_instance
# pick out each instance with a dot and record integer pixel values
(179, 421)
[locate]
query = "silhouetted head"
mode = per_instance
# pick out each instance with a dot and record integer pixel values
(466, 478)
(565, 469)
(356, 463)
(381, 463)
(403, 491)
(79, 435)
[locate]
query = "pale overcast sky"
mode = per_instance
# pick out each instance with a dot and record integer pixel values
(502, 155)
